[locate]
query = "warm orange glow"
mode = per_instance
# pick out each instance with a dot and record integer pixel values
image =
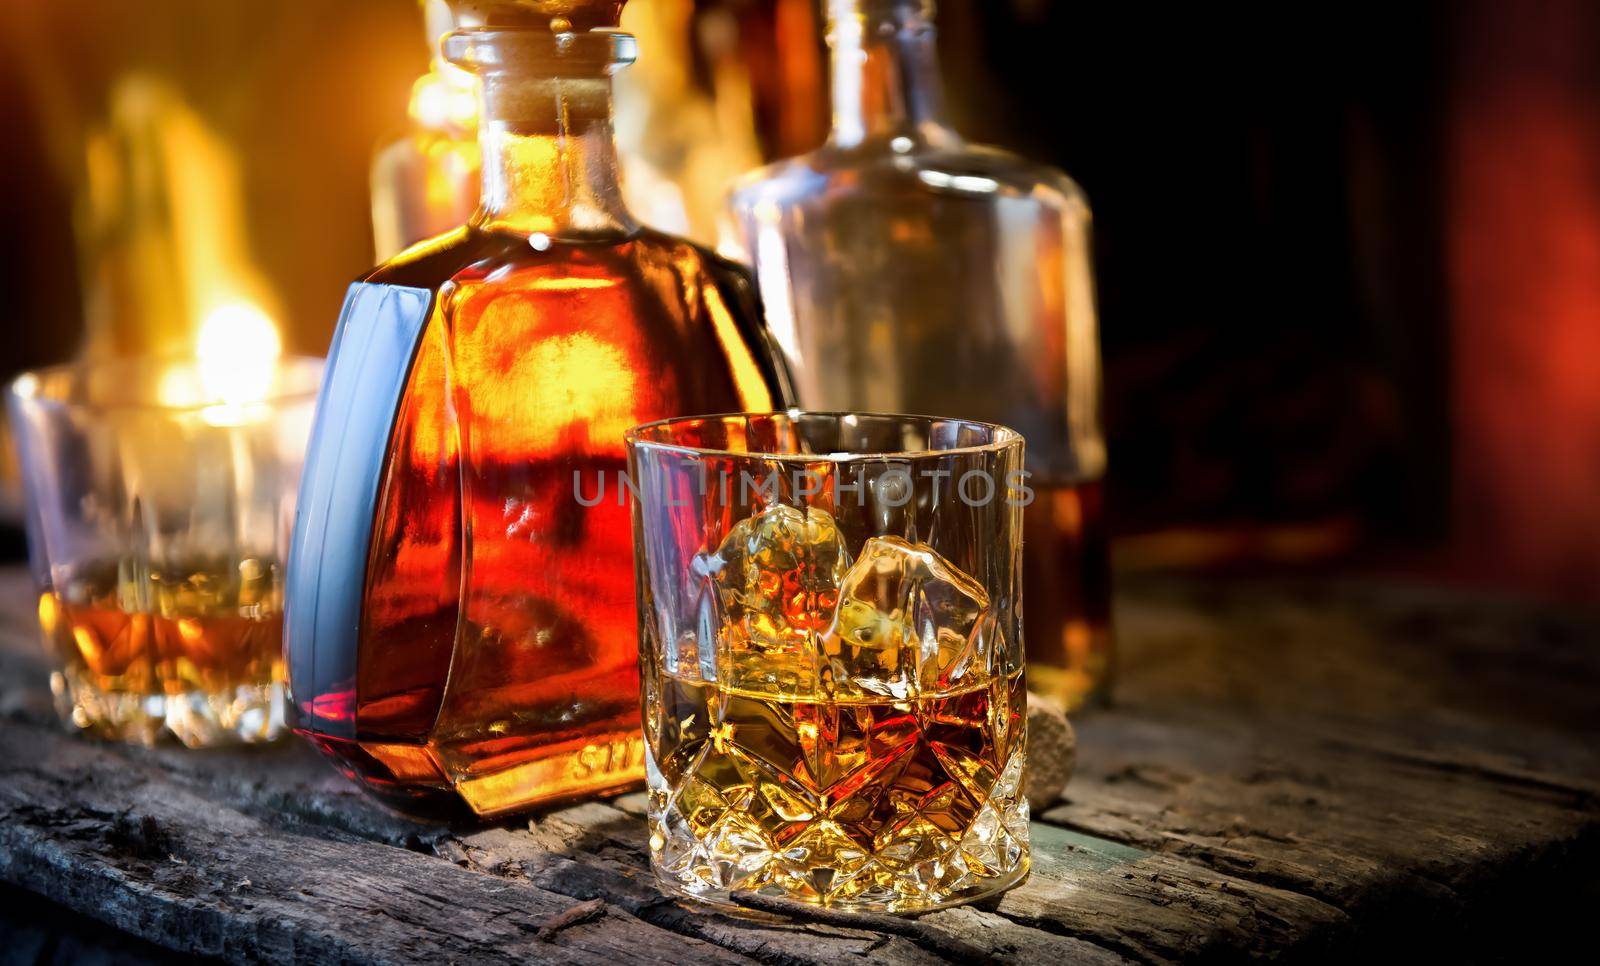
(566, 389)
(564, 772)
(426, 419)
(429, 246)
(745, 373)
(1066, 586)
(1524, 259)
(580, 388)
(191, 630)
(88, 646)
(49, 613)
(445, 97)
(570, 284)
(167, 251)
(236, 355)
(164, 215)
(407, 762)
(139, 653)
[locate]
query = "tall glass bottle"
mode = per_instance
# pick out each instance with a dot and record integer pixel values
(905, 270)
(461, 615)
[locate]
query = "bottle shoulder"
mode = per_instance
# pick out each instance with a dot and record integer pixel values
(679, 322)
(976, 172)
(434, 261)
(691, 256)
(471, 254)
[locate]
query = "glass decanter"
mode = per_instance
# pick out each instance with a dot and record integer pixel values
(904, 270)
(460, 620)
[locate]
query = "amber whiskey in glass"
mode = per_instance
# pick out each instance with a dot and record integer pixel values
(460, 625)
(160, 493)
(200, 640)
(834, 696)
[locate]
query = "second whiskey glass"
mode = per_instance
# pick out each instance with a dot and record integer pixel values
(831, 649)
(160, 494)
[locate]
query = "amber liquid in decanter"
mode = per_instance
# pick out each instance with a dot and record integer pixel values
(495, 660)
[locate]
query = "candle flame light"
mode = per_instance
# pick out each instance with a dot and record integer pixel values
(166, 239)
(237, 351)
(235, 366)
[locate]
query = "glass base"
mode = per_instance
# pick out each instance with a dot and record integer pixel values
(247, 714)
(890, 902)
(916, 868)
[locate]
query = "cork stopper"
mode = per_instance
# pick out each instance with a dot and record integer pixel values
(509, 41)
(1052, 752)
(557, 16)
(519, 53)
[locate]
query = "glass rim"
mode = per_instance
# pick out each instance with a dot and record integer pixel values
(24, 387)
(489, 50)
(1005, 437)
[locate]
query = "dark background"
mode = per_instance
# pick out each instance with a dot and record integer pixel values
(1348, 254)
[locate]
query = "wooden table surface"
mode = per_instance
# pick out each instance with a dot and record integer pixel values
(1294, 769)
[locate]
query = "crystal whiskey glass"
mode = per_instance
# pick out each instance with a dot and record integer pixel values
(158, 522)
(831, 649)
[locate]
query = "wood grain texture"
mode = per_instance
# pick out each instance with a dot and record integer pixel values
(1294, 770)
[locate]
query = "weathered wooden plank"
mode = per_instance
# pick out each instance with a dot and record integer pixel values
(1401, 755)
(1410, 658)
(608, 842)
(1108, 898)
(1293, 769)
(1321, 813)
(572, 860)
(155, 860)
(1163, 909)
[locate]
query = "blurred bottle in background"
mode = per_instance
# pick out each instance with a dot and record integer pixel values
(904, 270)
(425, 182)
(685, 118)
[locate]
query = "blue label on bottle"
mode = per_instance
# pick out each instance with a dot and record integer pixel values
(368, 367)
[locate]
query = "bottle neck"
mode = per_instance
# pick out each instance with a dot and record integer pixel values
(549, 158)
(885, 73)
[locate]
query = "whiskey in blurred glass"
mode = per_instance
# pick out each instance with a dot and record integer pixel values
(158, 513)
(202, 645)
